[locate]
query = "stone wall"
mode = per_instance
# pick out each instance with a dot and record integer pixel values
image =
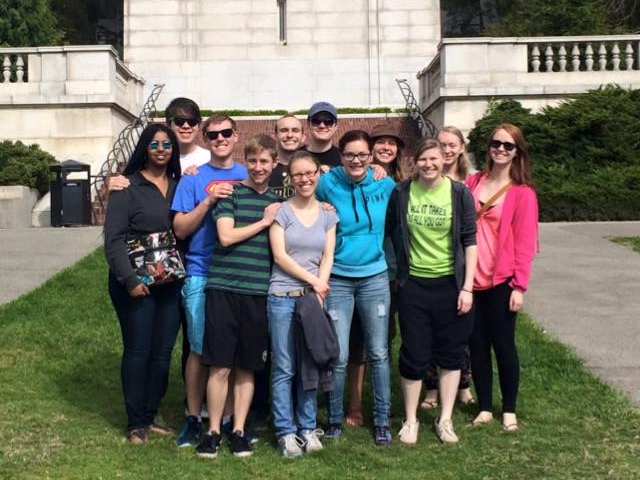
(229, 53)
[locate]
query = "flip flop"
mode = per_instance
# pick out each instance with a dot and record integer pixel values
(481, 419)
(429, 404)
(354, 418)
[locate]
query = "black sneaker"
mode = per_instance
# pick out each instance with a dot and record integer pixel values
(190, 433)
(240, 446)
(209, 445)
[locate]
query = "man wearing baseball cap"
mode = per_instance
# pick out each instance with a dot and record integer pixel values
(323, 125)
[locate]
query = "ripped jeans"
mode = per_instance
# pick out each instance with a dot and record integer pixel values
(370, 295)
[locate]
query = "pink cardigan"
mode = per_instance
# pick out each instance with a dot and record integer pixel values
(517, 234)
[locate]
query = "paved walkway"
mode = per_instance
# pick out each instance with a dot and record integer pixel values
(30, 256)
(585, 290)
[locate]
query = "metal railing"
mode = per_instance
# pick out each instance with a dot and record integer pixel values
(123, 147)
(427, 128)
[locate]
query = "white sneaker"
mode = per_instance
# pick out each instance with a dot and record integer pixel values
(444, 431)
(311, 440)
(291, 445)
(409, 432)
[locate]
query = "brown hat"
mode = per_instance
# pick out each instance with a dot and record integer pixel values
(385, 130)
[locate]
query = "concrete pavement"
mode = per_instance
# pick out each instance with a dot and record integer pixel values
(30, 256)
(585, 290)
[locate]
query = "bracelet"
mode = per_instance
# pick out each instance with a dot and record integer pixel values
(465, 290)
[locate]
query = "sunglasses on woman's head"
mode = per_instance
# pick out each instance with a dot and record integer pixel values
(154, 144)
(508, 146)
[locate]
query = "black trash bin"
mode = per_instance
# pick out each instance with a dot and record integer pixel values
(70, 197)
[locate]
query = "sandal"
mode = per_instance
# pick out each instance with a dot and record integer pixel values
(161, 429)
(510, 422)
(429, 404)
(482, 418)
(354, 418)
(466, 398)
(137, 436)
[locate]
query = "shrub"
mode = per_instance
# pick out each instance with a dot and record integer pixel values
(25, 165)
(585, 153)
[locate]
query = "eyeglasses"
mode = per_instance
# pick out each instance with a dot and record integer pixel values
(154, 144)
(213, 134)
(328, 121)
(508, 146)
(180, 121)
(350, 157)
(299, 176)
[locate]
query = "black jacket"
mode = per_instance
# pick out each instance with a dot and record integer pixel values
(316, 344)
(463, 228)
(137, 210)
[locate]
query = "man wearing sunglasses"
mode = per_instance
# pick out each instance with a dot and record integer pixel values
(196, 196)
(183, 117)
(323, 125)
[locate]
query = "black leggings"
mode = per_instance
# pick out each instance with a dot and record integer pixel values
(495, 327)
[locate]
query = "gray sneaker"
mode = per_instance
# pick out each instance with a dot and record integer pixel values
(444, 431)
(291, 445)
(311, 441)
(409, 432)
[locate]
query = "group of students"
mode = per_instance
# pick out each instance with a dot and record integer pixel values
(305, 253)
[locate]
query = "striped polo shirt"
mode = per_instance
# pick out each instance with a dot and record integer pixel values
(244, 267)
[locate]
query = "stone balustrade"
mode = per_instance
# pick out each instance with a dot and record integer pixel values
(584, 54)
(467, 73)
(73, 101)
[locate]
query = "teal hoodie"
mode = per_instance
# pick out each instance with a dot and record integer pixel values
(361, 208)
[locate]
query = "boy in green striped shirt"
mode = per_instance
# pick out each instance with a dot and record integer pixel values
(236, 336)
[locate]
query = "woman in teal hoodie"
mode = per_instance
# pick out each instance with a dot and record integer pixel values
(359, 275)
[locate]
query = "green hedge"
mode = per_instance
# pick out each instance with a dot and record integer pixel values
(25, 165)
(585, 153)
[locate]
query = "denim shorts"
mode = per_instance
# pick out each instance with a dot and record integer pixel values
(193, 299)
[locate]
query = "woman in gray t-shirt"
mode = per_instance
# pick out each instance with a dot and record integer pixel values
(302, 241)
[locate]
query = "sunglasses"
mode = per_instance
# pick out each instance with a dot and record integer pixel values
(154, 144)
(328, 121)
(508, 146)
(213, 134)
(180, 121)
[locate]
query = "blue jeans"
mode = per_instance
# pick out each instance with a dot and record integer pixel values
(193, 299)
(149, 326)
(280, 311)
(370, 295)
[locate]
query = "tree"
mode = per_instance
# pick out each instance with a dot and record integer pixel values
(28, 23)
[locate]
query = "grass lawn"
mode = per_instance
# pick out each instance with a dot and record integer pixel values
(62, 417)
(632, 242)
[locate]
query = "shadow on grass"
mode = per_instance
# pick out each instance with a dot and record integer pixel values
(93, 387)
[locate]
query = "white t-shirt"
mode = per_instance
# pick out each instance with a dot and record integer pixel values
(198, 157)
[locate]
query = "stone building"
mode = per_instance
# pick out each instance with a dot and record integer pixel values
(280, 54)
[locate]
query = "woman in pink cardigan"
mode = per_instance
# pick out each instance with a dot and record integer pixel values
(507, 223)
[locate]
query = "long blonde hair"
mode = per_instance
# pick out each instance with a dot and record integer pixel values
(463, 164)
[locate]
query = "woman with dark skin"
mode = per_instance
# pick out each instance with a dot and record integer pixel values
(148, 315)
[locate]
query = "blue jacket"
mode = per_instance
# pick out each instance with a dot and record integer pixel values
(361, 208)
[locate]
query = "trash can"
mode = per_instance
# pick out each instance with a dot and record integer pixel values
(70, 194)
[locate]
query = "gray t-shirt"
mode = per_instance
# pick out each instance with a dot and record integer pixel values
(304, 244)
